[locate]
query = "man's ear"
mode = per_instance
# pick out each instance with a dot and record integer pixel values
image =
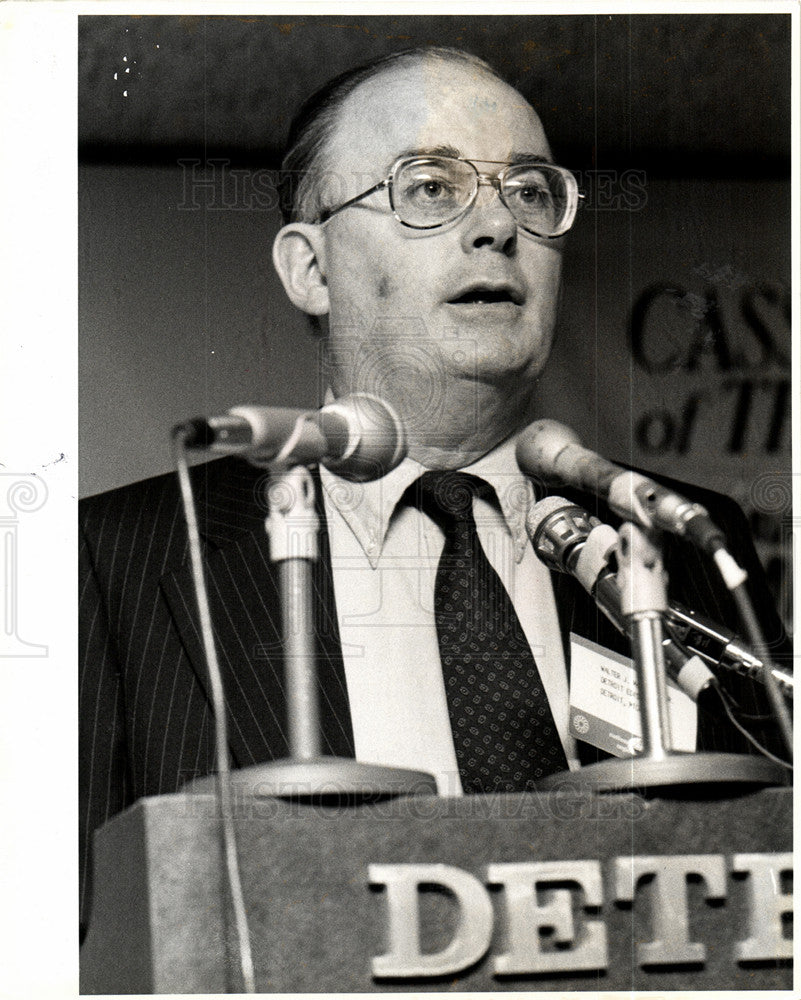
(299, 259)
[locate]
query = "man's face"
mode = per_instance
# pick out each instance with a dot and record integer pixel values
(472, 301)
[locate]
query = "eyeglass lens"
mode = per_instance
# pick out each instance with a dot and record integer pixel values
(430, 191)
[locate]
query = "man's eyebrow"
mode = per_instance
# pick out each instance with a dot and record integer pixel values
(430, 151)
(515, 158)
(529, 158)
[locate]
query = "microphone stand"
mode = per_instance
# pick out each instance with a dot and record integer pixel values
(292, 526)
(643, 602)
(643, 592)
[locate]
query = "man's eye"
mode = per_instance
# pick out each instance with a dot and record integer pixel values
(432, 188)
(532, 194)
(429, 189)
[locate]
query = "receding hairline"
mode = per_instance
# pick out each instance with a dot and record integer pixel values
(418, 57)
(407, 58)
(474, 65)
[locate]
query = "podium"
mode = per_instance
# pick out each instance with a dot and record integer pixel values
(563, 890)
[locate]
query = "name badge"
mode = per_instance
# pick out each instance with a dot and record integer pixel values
(604, 707)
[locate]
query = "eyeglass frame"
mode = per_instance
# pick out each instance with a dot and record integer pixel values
(482, 179)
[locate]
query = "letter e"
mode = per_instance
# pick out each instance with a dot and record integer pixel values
(526, 916)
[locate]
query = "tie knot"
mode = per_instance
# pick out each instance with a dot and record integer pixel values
(448, 495)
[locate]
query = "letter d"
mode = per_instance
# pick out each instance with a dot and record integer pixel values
(404, 958)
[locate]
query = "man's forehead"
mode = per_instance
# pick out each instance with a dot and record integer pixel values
(436, 105)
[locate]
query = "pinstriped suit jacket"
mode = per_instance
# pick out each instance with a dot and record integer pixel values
(145, 716)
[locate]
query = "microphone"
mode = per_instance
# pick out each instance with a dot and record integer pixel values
(360, 437)
(568, 539)
(720, 647)
(552, 451)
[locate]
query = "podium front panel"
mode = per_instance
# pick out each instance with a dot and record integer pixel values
(561, 891)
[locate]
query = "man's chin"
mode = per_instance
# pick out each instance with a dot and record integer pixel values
(497, 368)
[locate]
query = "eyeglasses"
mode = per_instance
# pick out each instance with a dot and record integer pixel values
(430, 191)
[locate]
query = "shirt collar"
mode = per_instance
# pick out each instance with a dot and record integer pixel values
(368, 507)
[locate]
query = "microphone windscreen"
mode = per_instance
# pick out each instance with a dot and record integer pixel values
(540, 444)
(539, 512)
(553, 452)
(557, 529)
(376, 441)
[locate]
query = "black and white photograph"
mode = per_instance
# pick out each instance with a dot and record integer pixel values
(424, 618)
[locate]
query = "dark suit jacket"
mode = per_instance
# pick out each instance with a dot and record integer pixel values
(146, 724)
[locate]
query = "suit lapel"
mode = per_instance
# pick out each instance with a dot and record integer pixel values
(246, 615)
(336, 724)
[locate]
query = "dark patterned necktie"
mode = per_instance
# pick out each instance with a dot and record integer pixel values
(503, 728)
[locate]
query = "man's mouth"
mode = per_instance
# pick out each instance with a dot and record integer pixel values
(487, 295)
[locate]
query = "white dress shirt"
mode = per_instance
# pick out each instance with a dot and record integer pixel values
(384, 558)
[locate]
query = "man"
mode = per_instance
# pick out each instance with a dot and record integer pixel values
(425, 235)
(450, 324)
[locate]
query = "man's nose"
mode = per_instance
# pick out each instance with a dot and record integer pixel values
(489, 223)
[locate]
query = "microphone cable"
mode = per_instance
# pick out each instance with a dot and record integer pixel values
(757, 640)
(675, 652)
(726, 700)
(224, 786)
(735, 583)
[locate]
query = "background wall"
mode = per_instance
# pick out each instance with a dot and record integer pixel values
(674, 339)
